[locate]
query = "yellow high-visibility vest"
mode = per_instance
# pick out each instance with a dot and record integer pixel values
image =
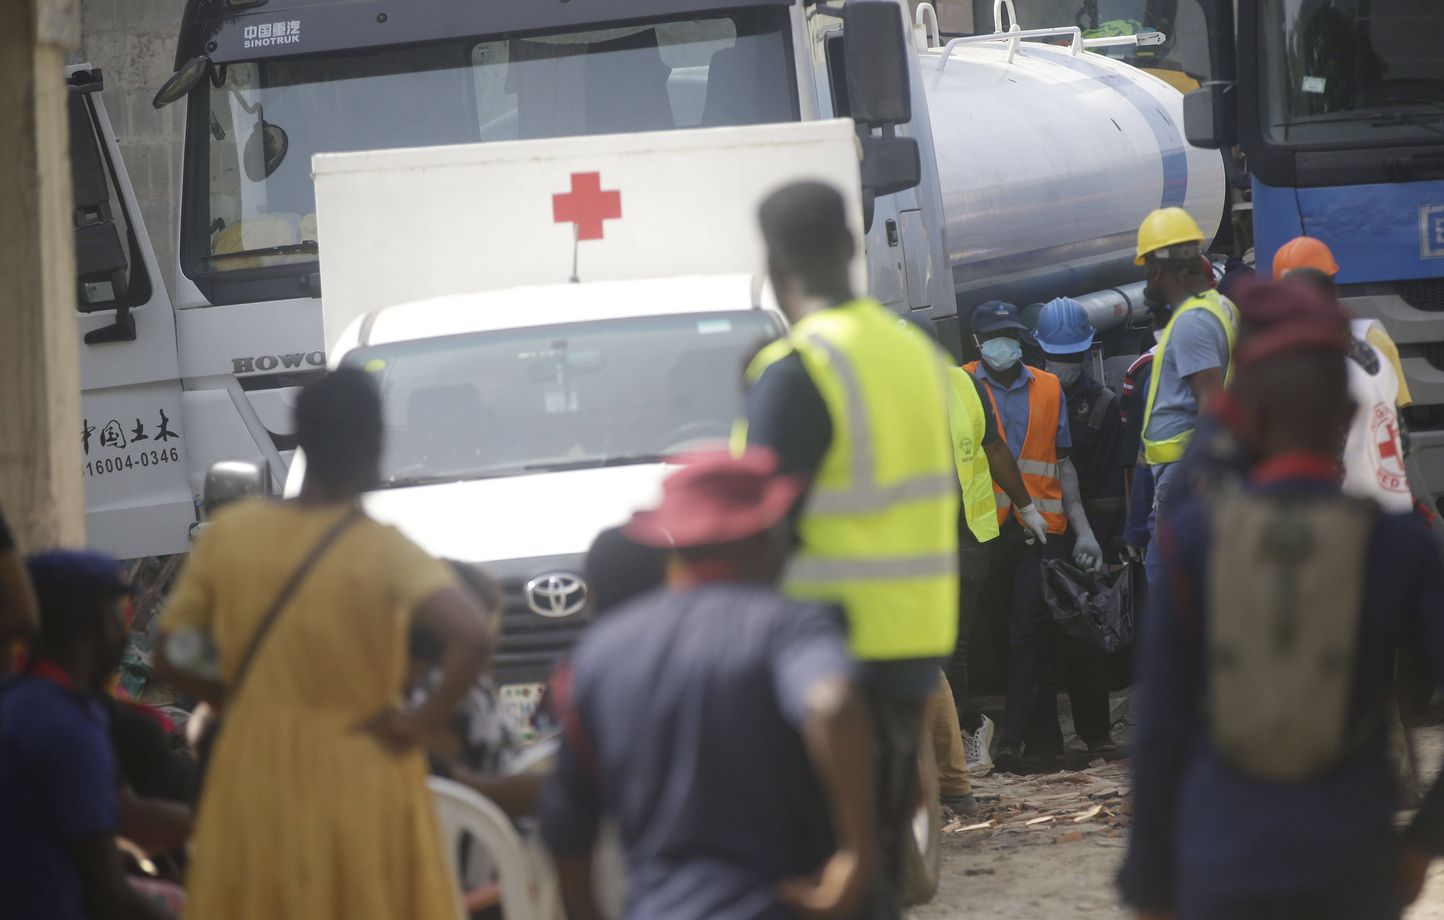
(879, 530)
(967, 423)
(1170, 449)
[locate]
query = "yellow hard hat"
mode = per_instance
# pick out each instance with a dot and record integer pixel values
(1166, 227)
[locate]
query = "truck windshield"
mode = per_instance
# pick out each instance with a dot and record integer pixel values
(251, 200)
(573, 396)
(1340, 71)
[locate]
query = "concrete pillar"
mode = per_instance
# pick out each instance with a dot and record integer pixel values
(40, 422)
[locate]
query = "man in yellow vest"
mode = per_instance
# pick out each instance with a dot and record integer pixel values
(858, 401)
(1030, 406)
(1192, 361)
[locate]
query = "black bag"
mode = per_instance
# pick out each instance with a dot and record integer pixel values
(1097, 610)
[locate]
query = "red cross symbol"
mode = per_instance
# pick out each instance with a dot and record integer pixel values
(1388, 448)
(587, 206)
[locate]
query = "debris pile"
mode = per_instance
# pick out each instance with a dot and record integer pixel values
(1048, 808)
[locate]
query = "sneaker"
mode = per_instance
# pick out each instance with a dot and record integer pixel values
(961, 805)
(1105, 748)
(976, 747)
(1009, 758)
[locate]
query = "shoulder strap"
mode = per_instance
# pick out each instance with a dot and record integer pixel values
(1101, 406)
(328, 539)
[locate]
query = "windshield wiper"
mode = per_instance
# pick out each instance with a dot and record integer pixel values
(1375, 119)
(589, 463)
(306, 247)
(436, 479)
(549, 466)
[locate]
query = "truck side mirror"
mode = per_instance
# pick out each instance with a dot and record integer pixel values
(1210, 116)
(890, 164)
(876, 49)
(100, 254)
(1204, 34)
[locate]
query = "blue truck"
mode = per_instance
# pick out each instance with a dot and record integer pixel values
(1336, 110)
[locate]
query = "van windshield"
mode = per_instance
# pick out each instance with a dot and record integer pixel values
(251, 201)
(571, 396)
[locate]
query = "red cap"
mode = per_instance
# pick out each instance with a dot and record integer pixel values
(1290, 316)
(716, 498)
(1304, 252)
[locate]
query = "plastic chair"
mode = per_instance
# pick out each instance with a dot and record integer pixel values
(524, 872)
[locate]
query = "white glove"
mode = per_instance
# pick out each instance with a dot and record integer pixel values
(1033, 523)
(1135, 553)
(1087, 553)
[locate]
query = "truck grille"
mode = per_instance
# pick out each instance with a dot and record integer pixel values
(1425, 294)
(532, 644)
(1433, 352)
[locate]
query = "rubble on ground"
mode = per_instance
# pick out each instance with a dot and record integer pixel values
(1062, 807)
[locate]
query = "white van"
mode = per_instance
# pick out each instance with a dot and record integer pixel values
(521, 422)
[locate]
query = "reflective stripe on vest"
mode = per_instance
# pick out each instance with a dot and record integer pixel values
(1170, 450)
(968, 424)
(1038, 457)
(879, 527)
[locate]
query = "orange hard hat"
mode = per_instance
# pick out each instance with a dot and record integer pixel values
(1304, 252)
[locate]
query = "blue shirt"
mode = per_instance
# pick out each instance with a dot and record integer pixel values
(1201, 826)
(1196, 343)
(683, 725)
(1015, 408)
(57, 788)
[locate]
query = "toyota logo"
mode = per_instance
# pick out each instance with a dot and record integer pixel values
(556, 595)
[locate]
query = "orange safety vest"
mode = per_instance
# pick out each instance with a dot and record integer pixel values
(1038, 460)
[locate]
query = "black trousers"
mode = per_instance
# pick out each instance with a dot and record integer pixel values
(899, 721)
(974, 561)
(1014, 592)
(1365, 899)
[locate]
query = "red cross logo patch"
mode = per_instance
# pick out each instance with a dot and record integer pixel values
(587, 206)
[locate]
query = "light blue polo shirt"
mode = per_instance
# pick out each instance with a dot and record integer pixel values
(1015, 408)
(1196, 343)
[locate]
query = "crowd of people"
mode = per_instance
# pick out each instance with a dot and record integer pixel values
(777, 640)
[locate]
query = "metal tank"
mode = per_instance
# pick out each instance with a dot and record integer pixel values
(1049, 158)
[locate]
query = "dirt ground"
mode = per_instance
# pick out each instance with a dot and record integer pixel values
(1045, 847)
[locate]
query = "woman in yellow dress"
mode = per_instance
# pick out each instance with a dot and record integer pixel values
(315, 804)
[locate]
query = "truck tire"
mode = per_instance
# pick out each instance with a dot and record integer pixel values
(923, 834)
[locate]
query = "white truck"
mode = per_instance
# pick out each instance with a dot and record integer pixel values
(1034, 164)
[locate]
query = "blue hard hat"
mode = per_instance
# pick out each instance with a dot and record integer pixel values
(1064, 327)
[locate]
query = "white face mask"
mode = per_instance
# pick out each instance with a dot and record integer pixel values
(1001, 353)
(1067, 372)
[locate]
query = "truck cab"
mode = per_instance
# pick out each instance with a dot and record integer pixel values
(1338, 112)
(266, 85)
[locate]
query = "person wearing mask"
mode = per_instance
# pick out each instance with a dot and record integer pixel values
(59, 814)
(1375, 450)
(1191, 363)
(1030, 407)
(718, 723)
(307, 604)
(984, 463)
(857, 402)
(1262, 785)
(19, 619)
(1095, 428)
(1095, 425)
